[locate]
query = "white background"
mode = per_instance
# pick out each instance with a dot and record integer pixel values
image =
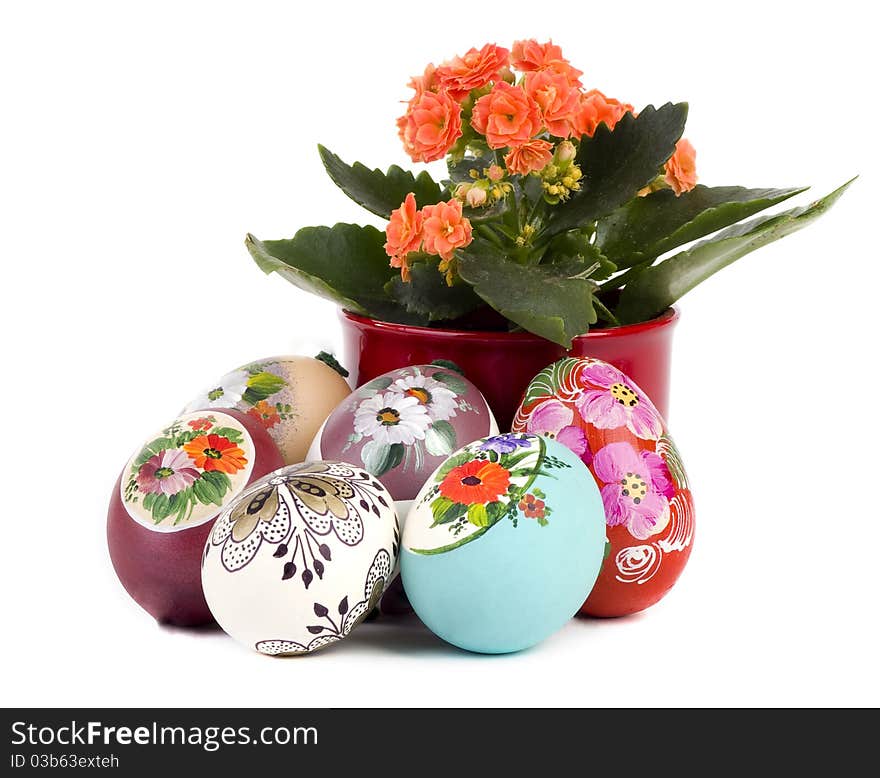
(140, 142)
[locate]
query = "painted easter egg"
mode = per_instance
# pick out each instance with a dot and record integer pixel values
(301, 558)
(604, 418)
(402, 425)
(289, 396)
(503, 543)
(165, 502)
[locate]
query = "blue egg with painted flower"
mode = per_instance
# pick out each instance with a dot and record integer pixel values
(503, 543)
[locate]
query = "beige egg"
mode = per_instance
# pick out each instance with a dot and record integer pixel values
(290, 396)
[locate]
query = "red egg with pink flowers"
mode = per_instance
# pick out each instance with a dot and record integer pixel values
(166, 500)
(608, 421)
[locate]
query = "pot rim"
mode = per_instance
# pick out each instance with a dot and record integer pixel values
(668, 318)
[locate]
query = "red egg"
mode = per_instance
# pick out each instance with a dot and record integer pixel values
(166, 500)
(601, 415)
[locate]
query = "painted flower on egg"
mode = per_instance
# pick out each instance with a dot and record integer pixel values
(169, 472)
(637, 488)
(226, 393)
(475, 482)
(484, 483)
(610, 400)
(400, 421)
(300, 512)
(183, 475)
(392, 417)
(602, 415)
(553, 419)
(214, 452)
(439, 401)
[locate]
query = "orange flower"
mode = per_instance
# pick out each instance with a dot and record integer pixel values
(445, 229)
(529, 56)
(427, 82)
(595, 108)
(681, 169)
(203, 423)
(556, 98)
(266, 414)
(532, 156)
(473, 70)
(213, 452)
(476, 482)
(404, 233)
(507, 116)
(431, 125)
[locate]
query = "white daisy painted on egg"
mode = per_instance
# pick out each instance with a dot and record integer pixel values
(439, 401)
(226, 393)
(391, 417)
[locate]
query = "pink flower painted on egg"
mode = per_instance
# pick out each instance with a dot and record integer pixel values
(637, 489)
(167, 472)
(554, 419)
(615, 401)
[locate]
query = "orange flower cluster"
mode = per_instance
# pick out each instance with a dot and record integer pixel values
(435, 229)
(480, 88)
(476, 98)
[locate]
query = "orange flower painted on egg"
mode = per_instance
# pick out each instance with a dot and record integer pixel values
(265, 413)
(214, 452)
(475, 483)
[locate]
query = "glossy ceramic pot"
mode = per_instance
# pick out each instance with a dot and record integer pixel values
(501, 364)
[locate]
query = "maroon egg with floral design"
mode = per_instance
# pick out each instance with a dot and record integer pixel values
(167, 498)
(402, 425)
(609, 422)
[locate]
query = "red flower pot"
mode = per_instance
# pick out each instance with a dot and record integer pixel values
(501, 364)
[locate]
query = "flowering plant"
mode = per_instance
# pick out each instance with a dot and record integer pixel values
(560, 206)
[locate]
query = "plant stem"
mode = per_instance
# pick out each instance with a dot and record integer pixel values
(627, 275)
(487, 232)
(604, 313)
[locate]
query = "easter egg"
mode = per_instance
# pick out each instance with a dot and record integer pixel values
(503, 543)
(165, 502)
(297, 561)
(289, 396)
(609, 422)
(403, 424)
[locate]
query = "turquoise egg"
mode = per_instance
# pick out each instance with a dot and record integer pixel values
(503, 543)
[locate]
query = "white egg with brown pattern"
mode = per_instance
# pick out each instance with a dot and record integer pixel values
(301, 558)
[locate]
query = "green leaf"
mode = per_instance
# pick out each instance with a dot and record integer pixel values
(617, 163)
(151, 449)
(264, 384)
(455, 383)
(379, 458)
(548, 300)
(206, 492)
(161, 508)
(379, 384)
(227, 432)
(646, 227)
(445, 510)
(440, 439)
(660, 286)
(220, 482)
(427, 294)
(478, 516)
(378, 192)
(345, 263)
(450, 464)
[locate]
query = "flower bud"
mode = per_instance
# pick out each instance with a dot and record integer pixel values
(476, 197)
(495, 172)
(461, 191)
(565, 151)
